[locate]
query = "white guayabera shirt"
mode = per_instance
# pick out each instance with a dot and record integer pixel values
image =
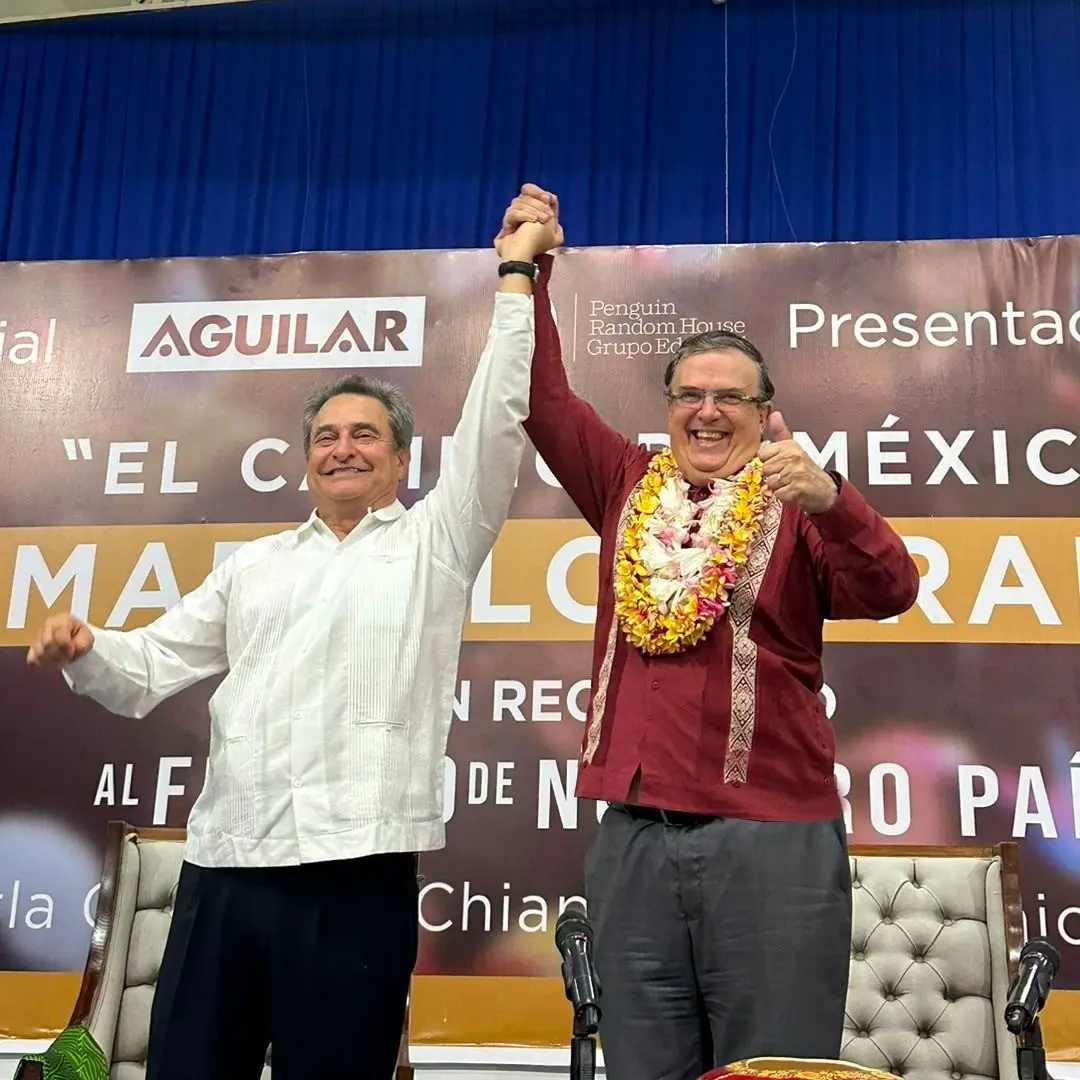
(328, 733)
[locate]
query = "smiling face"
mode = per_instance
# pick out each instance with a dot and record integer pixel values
(709, 439)
(351, 460)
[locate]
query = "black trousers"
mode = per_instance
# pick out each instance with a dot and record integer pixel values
(315, 959)
(718, 942)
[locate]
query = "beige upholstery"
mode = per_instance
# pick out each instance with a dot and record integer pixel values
(930, 955)
(934, 934)
(119, 1018)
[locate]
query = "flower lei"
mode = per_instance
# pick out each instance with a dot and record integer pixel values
(678, 559)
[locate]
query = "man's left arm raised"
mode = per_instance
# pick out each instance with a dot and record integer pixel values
(479, 472)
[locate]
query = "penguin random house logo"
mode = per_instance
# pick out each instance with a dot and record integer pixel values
(277, 335)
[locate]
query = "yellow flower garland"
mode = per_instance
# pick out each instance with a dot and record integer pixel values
(645, 623)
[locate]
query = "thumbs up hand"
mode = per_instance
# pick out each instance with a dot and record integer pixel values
(790, 473)
(776, 429)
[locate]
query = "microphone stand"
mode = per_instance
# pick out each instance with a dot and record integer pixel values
(583, 1045)
(1031, 1054)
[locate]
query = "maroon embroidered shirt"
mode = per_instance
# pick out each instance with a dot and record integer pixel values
(734, 727)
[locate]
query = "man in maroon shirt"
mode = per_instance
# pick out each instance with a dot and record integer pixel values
(718, 885)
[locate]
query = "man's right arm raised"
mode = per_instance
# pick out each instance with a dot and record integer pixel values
(130, 672)
(586, 455)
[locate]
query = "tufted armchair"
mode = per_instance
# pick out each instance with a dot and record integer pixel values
(134, 909)
(936, 934)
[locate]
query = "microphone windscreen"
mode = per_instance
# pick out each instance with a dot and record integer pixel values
(573, 921)
(1045, 949)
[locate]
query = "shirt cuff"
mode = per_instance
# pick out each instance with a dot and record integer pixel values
(850, 515)
(513, 311)
(546, 262)
(95, 665)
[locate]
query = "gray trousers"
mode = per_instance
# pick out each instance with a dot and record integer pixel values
(718, 942)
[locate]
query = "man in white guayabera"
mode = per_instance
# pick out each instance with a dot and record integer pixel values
(295, 918)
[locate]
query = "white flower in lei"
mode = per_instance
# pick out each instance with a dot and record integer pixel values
(723, 493)
(678, 535)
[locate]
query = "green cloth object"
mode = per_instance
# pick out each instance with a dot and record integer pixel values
(74, 1055)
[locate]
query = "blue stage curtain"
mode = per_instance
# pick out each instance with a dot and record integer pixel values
(280, 125)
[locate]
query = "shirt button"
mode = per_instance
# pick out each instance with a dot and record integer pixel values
(297, 783)
(296, 715)
(656, 685)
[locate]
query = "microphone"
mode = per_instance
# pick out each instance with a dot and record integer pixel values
(574, 940)
(1039, 963)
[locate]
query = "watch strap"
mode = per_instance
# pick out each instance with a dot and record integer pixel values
(529, 269)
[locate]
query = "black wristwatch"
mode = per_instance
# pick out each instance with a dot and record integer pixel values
(529, 269)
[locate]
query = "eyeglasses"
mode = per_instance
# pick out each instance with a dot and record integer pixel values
(690, 398)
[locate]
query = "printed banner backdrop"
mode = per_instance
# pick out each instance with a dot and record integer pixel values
(151, 423)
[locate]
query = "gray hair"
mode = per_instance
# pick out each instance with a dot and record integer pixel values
(715, 341)
(398, 410)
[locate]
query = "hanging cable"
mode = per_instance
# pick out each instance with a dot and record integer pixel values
(776, 110)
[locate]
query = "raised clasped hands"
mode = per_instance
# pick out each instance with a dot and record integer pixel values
(530, 225)
(791, 474)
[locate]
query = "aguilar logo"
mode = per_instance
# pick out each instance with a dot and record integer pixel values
(266, 335)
